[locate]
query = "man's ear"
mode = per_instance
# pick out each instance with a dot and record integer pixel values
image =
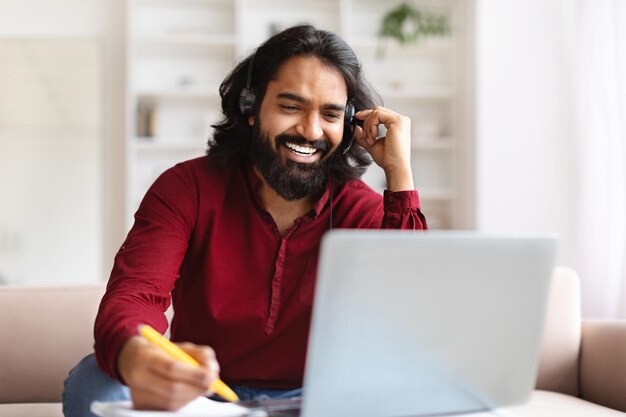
(251, 120)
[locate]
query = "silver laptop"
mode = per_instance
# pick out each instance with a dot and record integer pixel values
(414, 323)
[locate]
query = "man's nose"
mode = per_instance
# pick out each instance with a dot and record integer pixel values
(310, 126)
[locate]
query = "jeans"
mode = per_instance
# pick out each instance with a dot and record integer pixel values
(87, 383)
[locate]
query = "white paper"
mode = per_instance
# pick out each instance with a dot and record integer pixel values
(200, 407)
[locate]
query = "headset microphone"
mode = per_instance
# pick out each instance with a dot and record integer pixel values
(247, 98)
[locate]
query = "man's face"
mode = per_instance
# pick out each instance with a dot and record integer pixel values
(299, 127)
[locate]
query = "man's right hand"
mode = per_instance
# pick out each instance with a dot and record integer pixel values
(158, 382)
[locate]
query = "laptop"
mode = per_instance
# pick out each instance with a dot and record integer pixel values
(423, 324)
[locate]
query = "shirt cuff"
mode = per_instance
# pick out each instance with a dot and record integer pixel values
(397, 201)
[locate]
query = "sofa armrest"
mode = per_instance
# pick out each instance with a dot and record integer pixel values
(603, 363)
(560, 347)
(45, 331)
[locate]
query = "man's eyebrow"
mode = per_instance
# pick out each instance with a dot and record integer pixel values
(298, 98)
(294, 97)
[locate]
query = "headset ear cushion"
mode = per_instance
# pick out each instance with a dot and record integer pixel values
(348, 116)
(246, 101)
(349, 127)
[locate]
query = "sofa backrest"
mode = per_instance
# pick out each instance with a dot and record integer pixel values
(560, 350)
(44, 332)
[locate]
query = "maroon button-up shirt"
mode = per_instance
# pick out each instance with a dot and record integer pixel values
(201, 233)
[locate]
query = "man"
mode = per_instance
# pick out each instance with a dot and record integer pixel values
(234, 236)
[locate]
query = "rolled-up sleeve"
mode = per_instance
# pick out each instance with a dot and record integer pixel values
(402, 210)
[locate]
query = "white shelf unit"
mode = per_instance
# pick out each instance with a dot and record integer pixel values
(179, 51)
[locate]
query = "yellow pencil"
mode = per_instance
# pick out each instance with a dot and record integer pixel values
(177, 353)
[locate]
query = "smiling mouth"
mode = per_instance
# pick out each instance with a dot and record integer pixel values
(301, 150)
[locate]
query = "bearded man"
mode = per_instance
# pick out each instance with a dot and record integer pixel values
(232, 238)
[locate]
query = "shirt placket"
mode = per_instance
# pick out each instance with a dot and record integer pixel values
(277, 285)
(277, 281)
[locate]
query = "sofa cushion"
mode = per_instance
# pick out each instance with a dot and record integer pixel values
(554, 404)
(31, 410)
(45, 332)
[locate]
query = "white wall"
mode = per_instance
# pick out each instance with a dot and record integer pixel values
(64, 18)
(50, 141)
(525, 151)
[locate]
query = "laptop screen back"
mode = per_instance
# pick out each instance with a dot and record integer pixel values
(413, 323)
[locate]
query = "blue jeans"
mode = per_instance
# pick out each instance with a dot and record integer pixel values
(87, 383)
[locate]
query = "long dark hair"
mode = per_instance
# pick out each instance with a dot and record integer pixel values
(230, 141)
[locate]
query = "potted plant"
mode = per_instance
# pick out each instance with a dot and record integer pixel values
(402, 23)
(406, 24)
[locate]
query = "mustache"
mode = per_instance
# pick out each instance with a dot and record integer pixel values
(320, 144)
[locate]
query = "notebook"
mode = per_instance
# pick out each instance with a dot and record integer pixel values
(416, 324)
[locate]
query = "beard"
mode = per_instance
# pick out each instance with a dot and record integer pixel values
(291, 180)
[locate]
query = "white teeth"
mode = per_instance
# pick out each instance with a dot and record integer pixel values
(301, 149)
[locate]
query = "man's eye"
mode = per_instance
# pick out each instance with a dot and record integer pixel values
(333, 117)
(288, 107)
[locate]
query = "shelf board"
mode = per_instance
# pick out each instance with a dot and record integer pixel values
(422, 93)
(187, 39)
(173, 94)
(153, 145)
(299, 5)
(435, 194)
(175, 3)
(419, 93)
(432, 143)
(427, 44)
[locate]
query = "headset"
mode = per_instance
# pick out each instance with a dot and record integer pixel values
(247, 100)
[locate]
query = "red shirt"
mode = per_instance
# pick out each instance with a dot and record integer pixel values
(201, 233)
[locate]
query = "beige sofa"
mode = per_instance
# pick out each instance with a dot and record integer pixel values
(45, 331)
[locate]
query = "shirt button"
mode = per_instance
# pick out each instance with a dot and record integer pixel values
(392, 198)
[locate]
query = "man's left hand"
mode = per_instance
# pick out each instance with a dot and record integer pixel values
(392, 152)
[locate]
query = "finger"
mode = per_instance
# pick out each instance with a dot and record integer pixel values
(373, 119)
(171, 391)
(376, 150)
(368, 135)
(359, 137)
(362, 114)
(205, 355)
(173, 370)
